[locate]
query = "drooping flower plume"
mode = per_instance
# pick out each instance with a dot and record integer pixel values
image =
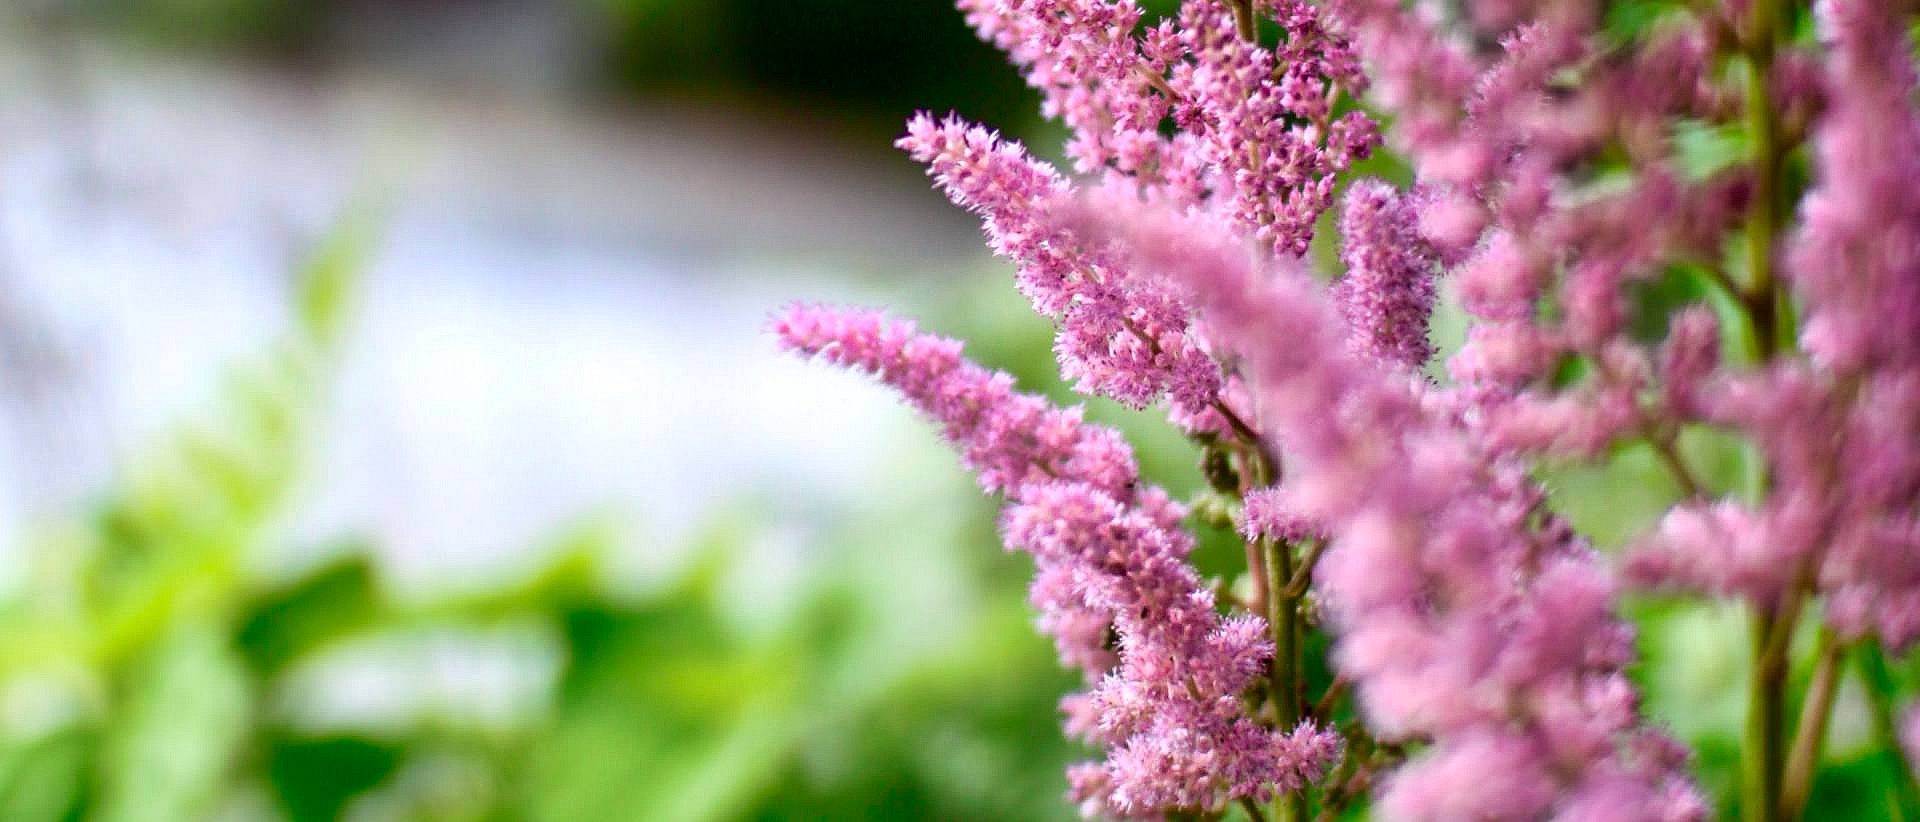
(1109, 552)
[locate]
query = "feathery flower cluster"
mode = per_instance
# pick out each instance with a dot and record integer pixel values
(1268, 513)
(1009, 439)
(1387, 294)
(1094, 74)
(1258, 136)
(1511, 145)
(1118, 337)
(1557, 198)
(1840, 429)
(1264, 118)
(1258, 132)
(1496, 134)
(1170, 712)
(1108, 552)
(1467, 618)
(1856, 266)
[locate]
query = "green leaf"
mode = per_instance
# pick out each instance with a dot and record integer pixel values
(1614, 499)
(45, 778)
(315, 778)
(1628, 21)
(175, 738)
(1725, 463)
(331, 602)
(1655, 301)
(332, 274)
(664, 714)
(1703, 149)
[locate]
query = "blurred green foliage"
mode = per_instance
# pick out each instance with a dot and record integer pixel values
(875, 62)
(157, 664)
(866, 64)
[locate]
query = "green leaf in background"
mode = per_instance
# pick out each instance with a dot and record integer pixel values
(44, 778)
(185, 713)
(141, 623)
(1704, 149)
(655, 702)
(316, 778)
(1627, 21)
(328, 283)
(1612, 500)
(284, 624)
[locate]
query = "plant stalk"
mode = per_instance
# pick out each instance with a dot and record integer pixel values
(1763, 211)
(1811, 735)
(1243, 22)
(1773, 626)
(1761, 760)
(1259, 599)
(1253, 810)
(1303, 575)
(1283, 617)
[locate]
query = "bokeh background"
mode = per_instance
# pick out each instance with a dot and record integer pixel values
(388, 431)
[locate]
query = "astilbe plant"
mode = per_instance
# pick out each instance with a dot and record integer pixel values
(1392, 502)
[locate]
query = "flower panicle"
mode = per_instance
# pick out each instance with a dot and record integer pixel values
(1110, 557)
(1386, 295)
(1462, 619)
(1009, 439)
(1555, 194)
(1117, 336)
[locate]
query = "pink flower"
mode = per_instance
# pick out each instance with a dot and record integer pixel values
(1455, 617)
(1554, 186)
(1386, 296)
(1108, 554)
(1117, 337)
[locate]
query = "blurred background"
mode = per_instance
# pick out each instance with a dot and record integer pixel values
(389, 433)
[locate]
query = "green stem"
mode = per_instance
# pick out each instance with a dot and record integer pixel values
(1285, 669)
(1286, 653)
(1763, 211)
(1243, 18)
(1811, 735)
(1664, 448)
(1267, 467)
(1324, 708)
(1303, 575)
(1259, 601)
(1766, 695)
(1773, 626)
(1253, 810)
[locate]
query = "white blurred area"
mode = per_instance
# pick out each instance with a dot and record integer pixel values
(563, 315)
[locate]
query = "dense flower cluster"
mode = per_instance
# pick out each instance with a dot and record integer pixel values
(1623, 291)
(1387, 294)
(1109, 553)
(1469, 618)
(1856, 267)
(1119, 337)
(1258, 137)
